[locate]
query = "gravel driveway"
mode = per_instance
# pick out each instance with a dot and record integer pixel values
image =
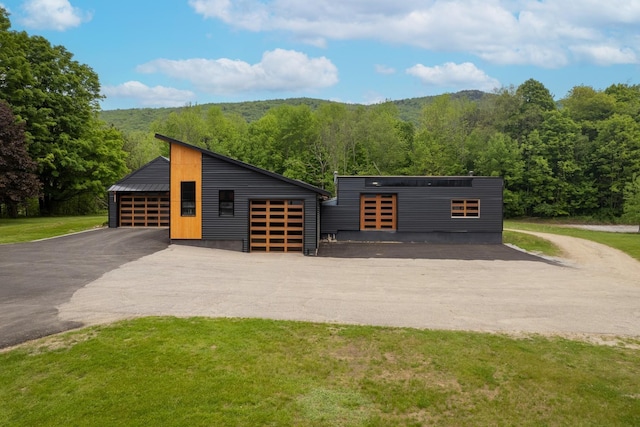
(593, 290)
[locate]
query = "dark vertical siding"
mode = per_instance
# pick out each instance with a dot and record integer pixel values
(248, 185)
(425, 209)
(113, 210)
(155, 172)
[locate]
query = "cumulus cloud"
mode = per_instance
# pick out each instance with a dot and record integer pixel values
(157, 96)
(278, 70)
(460, 76)
(57, 15)
(534, 32)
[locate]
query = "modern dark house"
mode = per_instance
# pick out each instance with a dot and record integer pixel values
(464, 209)
(211, 200)
(220, 202)
(141, 199)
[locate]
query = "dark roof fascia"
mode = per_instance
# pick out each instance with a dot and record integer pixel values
(420, 176)
(298, 183)
(143, 167)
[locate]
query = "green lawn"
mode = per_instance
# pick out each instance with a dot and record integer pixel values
(222, 372)
(27, 229)
(530, 243)
(626, 242)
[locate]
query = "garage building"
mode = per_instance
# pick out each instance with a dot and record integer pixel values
(220, 202)
(141, 199)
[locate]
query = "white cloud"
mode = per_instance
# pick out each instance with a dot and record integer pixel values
(460, 76)
(279, 70)
(534, 32)
(157, 96)
(57, 15)
(605, 55)
(383, 69)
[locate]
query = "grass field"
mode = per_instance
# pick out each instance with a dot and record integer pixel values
(192, 372)
(626, 242)
(28, 229)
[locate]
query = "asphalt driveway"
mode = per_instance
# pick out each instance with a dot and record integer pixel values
(36, 277)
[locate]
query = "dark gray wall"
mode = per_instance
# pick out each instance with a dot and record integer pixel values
(423, 212)
(157, 171)
(113, 210)
(248, 185)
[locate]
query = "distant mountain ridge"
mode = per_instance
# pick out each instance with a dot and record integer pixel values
(140, 119)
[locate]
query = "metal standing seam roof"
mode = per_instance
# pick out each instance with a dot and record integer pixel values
(139, 187)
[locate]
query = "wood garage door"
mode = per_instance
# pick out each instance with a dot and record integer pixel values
(144, 210)
(276, 225)
(378, 211)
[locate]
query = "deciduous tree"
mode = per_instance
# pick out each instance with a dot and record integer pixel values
(58, 99)
(18, 181)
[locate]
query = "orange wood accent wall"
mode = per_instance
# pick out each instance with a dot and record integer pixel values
(186, 165)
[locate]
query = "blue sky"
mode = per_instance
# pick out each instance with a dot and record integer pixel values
(175, 52)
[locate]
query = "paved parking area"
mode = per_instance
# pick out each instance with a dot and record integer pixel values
(36, 277)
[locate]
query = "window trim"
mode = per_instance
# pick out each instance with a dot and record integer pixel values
(188, 198)
(229, 208)
(465, 208)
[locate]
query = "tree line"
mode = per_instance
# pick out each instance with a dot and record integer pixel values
(574, 157)
(579, 156)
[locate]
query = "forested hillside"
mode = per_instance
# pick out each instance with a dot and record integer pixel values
(575, 156)
(139, 119)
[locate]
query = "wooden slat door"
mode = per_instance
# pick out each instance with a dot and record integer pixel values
(276, 226)
(378, 211)
(144, 210)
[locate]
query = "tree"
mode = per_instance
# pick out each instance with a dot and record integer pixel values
(503, 157)
(141, 148)
(533, 100)
(17, 179)
(632, 201)
(57, 98)
(614, 159)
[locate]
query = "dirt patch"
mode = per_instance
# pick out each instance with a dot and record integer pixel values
(417, 250)
(594, 257)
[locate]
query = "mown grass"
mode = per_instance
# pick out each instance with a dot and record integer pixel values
(628, 243)
(193, 372)
(530, 243)
(28, 229)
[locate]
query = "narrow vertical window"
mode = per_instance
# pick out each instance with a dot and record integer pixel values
(226, 199)
(188, 198)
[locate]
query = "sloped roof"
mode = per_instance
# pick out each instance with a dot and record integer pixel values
(296, 182)
(152, 177)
